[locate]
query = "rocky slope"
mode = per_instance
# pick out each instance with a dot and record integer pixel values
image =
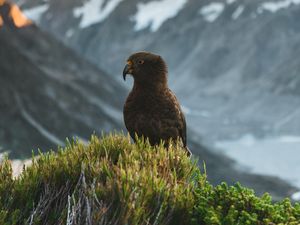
(48, 93)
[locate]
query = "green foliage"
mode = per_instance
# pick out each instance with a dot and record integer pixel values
(111, 181)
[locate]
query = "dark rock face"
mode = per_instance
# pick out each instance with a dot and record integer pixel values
(48, 93)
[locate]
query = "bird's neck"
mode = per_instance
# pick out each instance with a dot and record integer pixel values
(144, 87)
(157, 83)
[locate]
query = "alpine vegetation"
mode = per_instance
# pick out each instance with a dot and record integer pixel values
(112, 181)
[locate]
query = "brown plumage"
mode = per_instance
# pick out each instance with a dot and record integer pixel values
(151, 109)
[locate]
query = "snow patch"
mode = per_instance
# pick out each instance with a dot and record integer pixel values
(153, 14)
(276, 156)
(238, 12)
(275, 6)
(230, 1)
(69, 33)
(289, 139)
(36, 13)
(95, 11)
(212, 11)
(296, 196)
(17, 165)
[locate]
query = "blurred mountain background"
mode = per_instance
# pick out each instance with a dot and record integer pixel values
(234, 65)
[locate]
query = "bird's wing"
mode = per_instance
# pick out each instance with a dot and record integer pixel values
(180, 116)
(182, 131)
(171, 121)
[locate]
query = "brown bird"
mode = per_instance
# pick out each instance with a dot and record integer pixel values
(151, 109)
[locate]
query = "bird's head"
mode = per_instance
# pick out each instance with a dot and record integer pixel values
(146, 68)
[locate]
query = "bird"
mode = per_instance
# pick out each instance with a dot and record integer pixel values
(152, 110)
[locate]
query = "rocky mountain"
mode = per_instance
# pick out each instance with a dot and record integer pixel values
(48, 93)
(233, 64)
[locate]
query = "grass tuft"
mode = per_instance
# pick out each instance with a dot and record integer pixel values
(111, 181)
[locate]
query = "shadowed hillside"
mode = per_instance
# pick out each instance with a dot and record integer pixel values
(48, 93)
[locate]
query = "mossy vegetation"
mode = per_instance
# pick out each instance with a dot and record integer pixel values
(111, 181)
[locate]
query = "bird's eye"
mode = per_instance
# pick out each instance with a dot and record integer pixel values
(141, 62)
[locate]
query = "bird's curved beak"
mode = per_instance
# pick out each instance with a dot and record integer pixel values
(127, 69)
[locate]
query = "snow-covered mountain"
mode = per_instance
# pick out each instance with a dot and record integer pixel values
(234, 64)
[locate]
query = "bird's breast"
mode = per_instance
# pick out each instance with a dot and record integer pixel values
(142, 103)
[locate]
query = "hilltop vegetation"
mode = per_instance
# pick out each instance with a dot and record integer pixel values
(111, 181)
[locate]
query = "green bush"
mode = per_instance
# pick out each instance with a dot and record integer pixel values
(111, 181)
